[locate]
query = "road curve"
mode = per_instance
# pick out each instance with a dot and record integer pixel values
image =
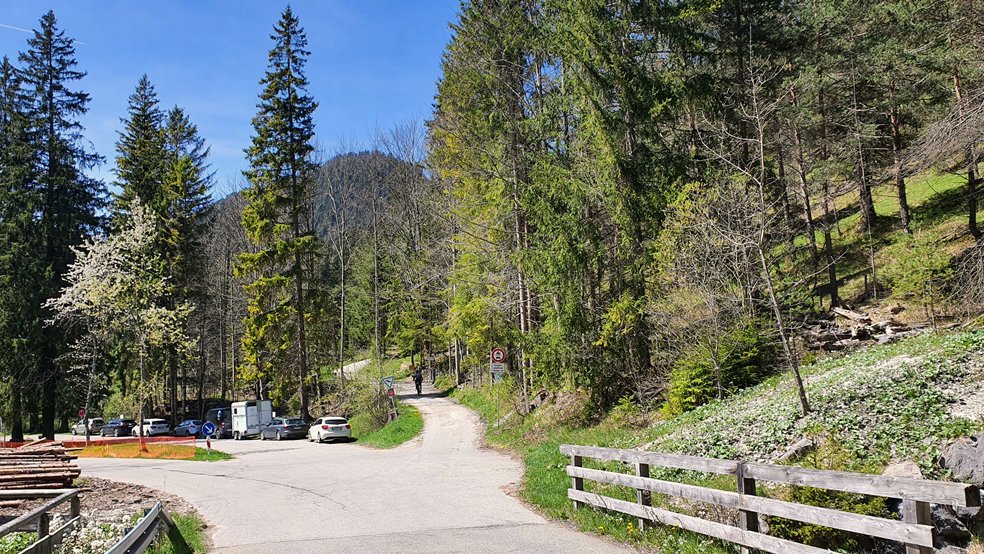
(438, 493)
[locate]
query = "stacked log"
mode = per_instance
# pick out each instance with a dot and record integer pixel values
(37, 465)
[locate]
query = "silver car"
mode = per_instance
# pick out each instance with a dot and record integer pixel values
(95, 425)
(330, 428)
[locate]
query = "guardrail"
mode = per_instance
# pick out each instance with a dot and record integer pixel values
(915, 530)
(47, 539)
(145, 532)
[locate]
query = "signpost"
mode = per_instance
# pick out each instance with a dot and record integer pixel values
(85, 423)
(497, 366)
(208, 430)
(389, 383)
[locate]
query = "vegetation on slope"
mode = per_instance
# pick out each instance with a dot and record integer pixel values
(888, 403)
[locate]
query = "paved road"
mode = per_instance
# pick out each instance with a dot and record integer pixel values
(439, 493)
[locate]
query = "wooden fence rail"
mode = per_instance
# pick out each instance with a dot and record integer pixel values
(915, 530)
(40, 517)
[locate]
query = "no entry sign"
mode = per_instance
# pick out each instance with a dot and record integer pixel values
(81, 413)
(497, 360)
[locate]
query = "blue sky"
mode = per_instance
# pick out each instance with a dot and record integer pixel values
(373, 63)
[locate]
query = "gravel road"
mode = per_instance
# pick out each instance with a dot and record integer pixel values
(438, 493)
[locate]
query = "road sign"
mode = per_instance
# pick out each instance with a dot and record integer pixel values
(208, 429)
(498, 355)
(81, 413)
(389, 382)
(497, 376)
(390, 392)
(497, 361)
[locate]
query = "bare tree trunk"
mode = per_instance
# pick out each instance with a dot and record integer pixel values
(972, 178)
(897, 160)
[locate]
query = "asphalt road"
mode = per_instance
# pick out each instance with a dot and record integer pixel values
(438, 493)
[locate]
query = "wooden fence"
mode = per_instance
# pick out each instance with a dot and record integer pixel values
(39, 519)
(915, 530)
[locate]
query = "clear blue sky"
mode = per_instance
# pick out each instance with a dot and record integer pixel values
(373, 63)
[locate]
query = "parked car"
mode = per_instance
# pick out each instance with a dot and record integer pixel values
(151, 427)
(118, 428)
(284, 428)
(330, 428)
(95, 424)
(188, 428)
(222, 418)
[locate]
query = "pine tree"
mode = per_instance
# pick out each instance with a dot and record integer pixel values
(140, 163)
(275, 215)
(19, 267)
(69, 200)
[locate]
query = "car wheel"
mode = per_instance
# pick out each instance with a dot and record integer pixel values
(279, 437)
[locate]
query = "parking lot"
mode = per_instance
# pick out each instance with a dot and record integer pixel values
(438, 493)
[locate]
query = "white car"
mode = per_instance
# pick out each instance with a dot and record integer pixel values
(330, 428)
(152, 427)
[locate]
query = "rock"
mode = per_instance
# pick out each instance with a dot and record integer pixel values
(965, 459)
(949, 528)
(797, 450)
(906, 470)
(896, 310)
(951, 549)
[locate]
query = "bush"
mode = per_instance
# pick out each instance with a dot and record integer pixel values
(121, 405)
(749, 355)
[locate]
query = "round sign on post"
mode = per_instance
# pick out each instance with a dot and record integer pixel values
(498, 355)
(81, 413)
(208, 429)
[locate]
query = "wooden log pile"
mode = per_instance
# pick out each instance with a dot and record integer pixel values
(857, 329)
(37, 465)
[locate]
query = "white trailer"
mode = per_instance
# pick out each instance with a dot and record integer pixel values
(248, 417)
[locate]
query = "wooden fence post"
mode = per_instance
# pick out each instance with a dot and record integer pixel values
(917, 512)
(747, 520)
(577, 483)
(76, 506)
(44, 528)
(644, 497)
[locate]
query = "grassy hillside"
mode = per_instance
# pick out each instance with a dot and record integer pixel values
(870, 408)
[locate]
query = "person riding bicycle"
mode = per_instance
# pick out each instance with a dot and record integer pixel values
(418, 378)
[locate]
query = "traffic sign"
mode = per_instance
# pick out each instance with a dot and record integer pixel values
(389, 382)
(390, 392)
(81, 413)
(498, 355)
(208, 429)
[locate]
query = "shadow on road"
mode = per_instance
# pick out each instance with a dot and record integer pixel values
(437, 394)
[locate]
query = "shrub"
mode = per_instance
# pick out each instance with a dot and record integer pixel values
(749, 354)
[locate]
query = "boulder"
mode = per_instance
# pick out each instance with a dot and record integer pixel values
(949, 529)
(965, 459)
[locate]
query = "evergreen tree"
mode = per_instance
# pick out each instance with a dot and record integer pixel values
(140, 162)
(69, 200)
(19, 266)
(278, 200)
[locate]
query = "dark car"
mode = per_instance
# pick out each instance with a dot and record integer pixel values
(188, 428)
(222, 418)
(118, 428)
(284, 428)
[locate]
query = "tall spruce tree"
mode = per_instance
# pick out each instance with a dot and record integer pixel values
(69, 200)
(140, 163)
(19, 266)
(278, 200)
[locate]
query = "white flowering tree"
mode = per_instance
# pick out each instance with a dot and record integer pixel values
(116, 288)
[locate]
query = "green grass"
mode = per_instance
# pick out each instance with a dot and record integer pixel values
(192, 529)
(393, 434)
(205, 455)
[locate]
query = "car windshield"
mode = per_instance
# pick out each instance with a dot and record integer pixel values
(294, 421)
(334, 420)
